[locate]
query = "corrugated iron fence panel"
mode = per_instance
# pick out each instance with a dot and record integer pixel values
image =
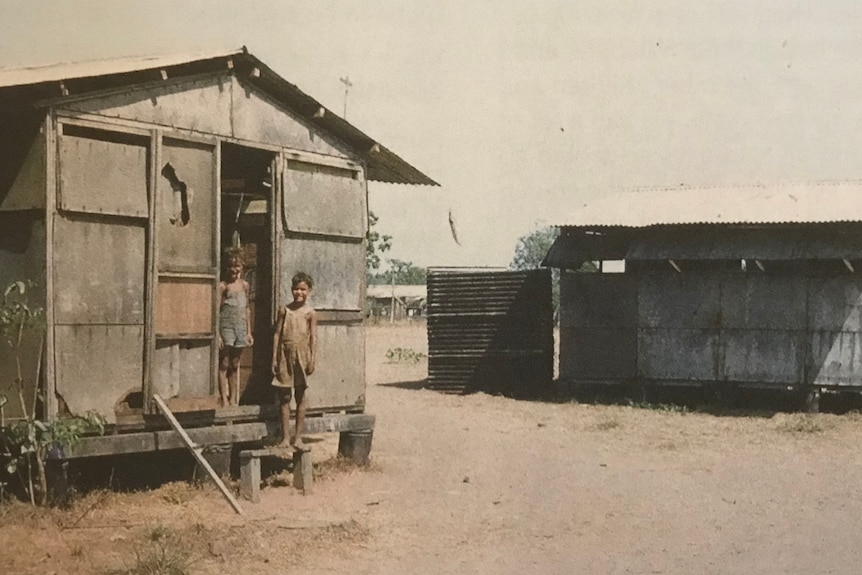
(490, 331)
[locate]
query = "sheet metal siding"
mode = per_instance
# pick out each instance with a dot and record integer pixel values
(233, 109)
(180, 369)
(598, 327)
(835, 324)
(177, 104)
(337, 268)
(22, 257)
(323, 200)
(98, 365)
(126, 75)
(257, 117)
(339, 378)
(98, 271)
(186, 245)
(102, 177)
(742, 328)
(490, 331)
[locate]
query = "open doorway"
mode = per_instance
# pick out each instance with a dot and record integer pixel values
(246, 223)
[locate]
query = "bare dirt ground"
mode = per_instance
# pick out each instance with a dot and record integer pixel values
(482, 484)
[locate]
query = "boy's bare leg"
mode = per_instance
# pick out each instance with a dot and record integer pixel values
(234, 378)
(300, 416)
(283, 398)
(222, 380)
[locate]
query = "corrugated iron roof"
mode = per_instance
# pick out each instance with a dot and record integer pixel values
(822, 202)
(94, 68)
(35, 84)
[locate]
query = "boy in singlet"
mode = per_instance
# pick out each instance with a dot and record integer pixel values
(293, 356)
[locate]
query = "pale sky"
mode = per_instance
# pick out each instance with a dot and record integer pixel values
(521, 109)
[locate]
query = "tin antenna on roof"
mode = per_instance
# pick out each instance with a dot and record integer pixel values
(347, 84)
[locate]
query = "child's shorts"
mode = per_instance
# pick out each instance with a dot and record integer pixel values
(234, 335)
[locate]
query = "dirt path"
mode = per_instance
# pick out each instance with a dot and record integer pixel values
(483, 484)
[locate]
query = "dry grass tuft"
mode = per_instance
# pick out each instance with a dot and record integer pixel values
(607, 422)
(334, 467)
(804, 423)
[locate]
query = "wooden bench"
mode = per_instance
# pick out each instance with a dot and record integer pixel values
(249, 469)
(354, 442)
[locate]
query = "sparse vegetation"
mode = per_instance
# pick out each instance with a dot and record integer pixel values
(803, 423)
(26, 445)
(607, 423)
(164, 553)
(404, 355)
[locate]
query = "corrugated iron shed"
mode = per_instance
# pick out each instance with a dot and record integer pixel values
(823, 202)
(43, 85)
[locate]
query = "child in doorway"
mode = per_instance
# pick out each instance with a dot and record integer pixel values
(234, 328)
(293, 356)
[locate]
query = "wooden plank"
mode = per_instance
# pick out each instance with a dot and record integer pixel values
(128, 421)
(50, 212)
(249, 475)
(184, 306)
(96, 122)
(148, 441)
(151, 276)
(197, 452)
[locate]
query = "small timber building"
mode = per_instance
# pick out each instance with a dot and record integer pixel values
(122, 183)
(757, 286)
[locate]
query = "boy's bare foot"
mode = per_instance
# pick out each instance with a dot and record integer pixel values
(299, 445)
(284, 443)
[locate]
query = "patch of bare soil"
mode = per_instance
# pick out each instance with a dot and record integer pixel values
(483, 484)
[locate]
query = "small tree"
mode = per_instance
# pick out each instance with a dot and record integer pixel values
(27, 443)
(375, 244)
(531, 250)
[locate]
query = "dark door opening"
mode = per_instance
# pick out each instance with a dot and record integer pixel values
(246, 223)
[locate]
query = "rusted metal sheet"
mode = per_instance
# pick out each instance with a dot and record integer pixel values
(103, 177)
(835, 323)
(490, 330)
(97, 366)
(202, 105)
(258, 117)
(338, 270)
(339, 377)
(181, 369)
(184, 306)
(27, 190)
(598, 327)
(323, 200)
(186, 210)
(98, 271)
